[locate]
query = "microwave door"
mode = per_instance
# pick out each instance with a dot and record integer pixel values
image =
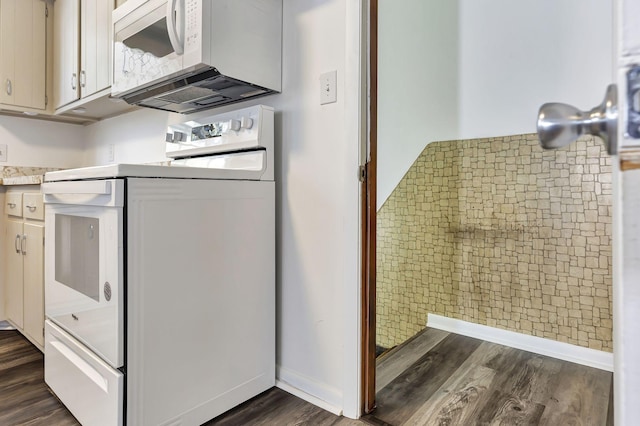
(148, 48)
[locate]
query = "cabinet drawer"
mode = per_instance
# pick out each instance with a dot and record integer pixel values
(13, 204)
(33, 206)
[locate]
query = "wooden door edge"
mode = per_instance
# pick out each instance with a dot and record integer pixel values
(368, 226)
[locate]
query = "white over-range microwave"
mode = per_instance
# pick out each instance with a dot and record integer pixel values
(189, 55)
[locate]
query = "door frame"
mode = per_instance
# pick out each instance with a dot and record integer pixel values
(368, 223)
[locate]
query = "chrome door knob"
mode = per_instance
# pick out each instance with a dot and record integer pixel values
(560, 124)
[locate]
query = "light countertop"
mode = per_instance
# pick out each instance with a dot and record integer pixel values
(19, 175)
(22, 180)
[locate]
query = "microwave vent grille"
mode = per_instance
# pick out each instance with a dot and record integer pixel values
(188, 94)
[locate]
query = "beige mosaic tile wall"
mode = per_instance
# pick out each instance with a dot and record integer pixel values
(498, 232)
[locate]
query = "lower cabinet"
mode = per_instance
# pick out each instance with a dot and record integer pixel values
(33, 281)
(24, 292)
(15, 278)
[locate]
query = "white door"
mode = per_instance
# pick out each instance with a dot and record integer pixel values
(619, 127)
(626, 296)
(66, 30)
(14, 272)
(95, 46)
(33, 278)
(23, 43)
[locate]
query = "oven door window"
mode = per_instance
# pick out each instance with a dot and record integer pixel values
(77, 253)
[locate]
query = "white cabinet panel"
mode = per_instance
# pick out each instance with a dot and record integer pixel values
(33, 206)
(24, 275)
(23, 53)
(13, 204)
(82, 28)
(33, 279)
(14, 274)
(66, 25)
(96, 45)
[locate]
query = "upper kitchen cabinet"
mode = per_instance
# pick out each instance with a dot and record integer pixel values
(66, 36)
(95, 46)
(81, 49)
(82, 58)
(23, 51)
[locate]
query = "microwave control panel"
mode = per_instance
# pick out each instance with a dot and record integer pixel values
(192, 32)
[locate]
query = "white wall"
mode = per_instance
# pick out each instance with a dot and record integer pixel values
(47, 144)
(39, 143)
(137, 137)
(36, 143)
(511, 58)
(317, 199)
(417, 83)
(515, 56)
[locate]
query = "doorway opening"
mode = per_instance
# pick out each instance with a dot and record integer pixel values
(476, 223)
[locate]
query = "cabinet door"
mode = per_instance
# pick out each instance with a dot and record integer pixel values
(23, 53)
(7, 49)
(66, 22)
(34, 281)
(95, 39)
(14, 274)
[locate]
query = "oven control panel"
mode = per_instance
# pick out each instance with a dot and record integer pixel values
(240, 130)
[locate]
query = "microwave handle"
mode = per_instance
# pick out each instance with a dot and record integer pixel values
(177, 42)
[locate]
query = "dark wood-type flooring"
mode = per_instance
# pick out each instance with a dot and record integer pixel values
(439, 378)
(436, 378)
(24, 398)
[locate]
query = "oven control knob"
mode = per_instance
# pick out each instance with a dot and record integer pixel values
(231, 125)
(246, 122)
(107, 291)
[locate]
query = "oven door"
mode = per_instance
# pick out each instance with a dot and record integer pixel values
(84, 263)
(149, 43)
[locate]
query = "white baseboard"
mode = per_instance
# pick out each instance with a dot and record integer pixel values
(565, 351)
(316, 393)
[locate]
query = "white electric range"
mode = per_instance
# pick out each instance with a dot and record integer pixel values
(160, 280)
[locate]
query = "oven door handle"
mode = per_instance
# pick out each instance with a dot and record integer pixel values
(98, 187)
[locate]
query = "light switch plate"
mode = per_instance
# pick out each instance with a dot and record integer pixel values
(328, 87)
(3, 153)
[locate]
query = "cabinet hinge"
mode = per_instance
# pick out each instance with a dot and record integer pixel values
(46, 11)
(46, 100)
(362, 173)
